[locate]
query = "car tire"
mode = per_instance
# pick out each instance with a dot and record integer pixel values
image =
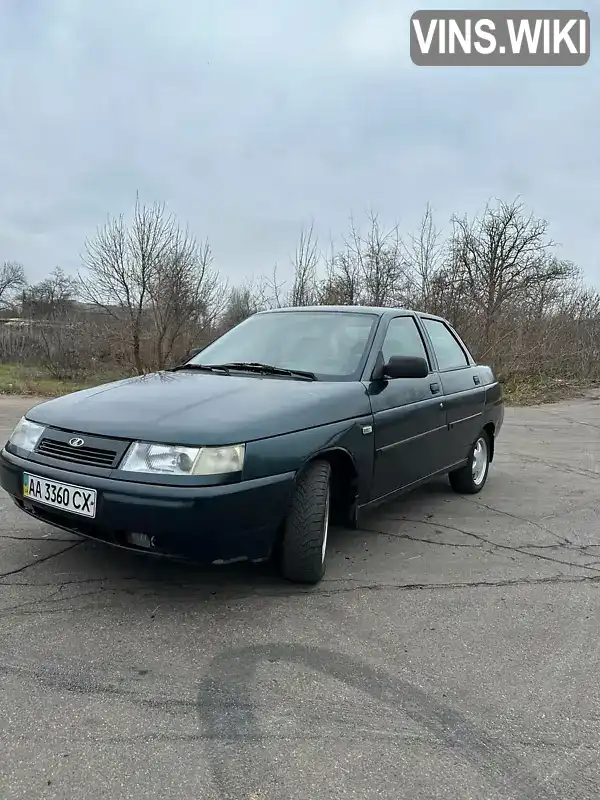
(471, 478)
(305, 532)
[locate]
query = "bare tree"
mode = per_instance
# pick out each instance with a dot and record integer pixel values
(120, 262)
(423, 259)
(184, 298)
(242, 302)
(65, 340)
(12, 279)
(152, 277)
(274, 289)
(342, 284)
(51, 298)
(501, 257)
(305, 262)
(305, 288)
(375, 261)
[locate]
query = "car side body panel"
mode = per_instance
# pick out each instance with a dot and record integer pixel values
(410, 429)
(409, 422)
(282, 454)
(494, 401)
(465, 394)
(464, 403)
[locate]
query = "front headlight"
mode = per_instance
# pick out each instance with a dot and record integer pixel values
(166, 459)
(26, 435)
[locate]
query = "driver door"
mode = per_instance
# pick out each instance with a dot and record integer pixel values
(410, 424)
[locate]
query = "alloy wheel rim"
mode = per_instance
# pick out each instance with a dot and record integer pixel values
(479, 462)
(325, 527)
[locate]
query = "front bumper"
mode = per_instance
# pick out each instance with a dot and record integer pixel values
(204, 523)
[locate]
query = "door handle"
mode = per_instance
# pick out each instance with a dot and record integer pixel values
(476, 380)
(435, 387)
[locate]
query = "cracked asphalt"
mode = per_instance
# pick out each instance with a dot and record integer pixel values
(452, 651)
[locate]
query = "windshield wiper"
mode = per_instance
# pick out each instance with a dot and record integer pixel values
(268, 369)
(250, 366)
(203, 367)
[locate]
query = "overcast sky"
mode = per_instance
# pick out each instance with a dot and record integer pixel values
(250, 119)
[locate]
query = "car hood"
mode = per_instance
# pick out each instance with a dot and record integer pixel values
(203, 408)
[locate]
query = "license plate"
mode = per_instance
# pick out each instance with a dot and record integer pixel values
(64, 496)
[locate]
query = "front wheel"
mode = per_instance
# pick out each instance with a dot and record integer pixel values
(471, 478)
(304, 541)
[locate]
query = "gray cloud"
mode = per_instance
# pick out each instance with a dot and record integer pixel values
(250, 119)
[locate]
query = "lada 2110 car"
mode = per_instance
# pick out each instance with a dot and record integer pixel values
(294, 419)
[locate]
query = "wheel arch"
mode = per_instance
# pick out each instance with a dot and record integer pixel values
(344, 480)
(490, 429)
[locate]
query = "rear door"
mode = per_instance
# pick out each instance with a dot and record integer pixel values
(464, 394)
(409, 418)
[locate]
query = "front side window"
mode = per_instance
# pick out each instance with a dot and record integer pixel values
(403, 339)
(332, 344)
(448, 351)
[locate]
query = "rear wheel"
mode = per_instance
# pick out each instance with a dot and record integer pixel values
(306, 528)
(471, 478)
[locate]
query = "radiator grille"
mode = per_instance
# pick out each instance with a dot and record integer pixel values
(89, 456)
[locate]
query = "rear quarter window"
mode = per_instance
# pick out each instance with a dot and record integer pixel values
(447, 348)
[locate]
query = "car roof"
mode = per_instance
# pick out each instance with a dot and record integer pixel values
(381, 311)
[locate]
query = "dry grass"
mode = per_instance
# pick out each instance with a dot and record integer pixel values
(536, 391)
(34, 381)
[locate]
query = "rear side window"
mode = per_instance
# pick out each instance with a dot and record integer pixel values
(403, 339)
(448, 351)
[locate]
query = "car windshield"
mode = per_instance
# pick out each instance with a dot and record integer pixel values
(330, 344)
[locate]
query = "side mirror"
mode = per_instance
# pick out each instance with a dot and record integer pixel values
(406, 367)
(194, 352)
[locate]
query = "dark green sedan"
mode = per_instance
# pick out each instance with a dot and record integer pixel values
(294, 419)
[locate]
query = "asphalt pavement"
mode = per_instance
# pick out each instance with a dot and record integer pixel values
(451, 652)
